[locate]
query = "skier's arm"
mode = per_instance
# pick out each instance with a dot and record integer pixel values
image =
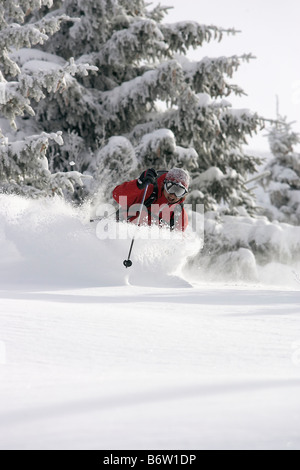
(134, 190)
(130, 191)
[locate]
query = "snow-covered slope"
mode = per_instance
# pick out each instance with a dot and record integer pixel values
(92, 357)
(149, 368)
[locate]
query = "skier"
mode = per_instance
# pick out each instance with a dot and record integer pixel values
(164, 198)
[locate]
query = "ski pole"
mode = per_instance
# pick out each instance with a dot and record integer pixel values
(98, 219)
(128, 263)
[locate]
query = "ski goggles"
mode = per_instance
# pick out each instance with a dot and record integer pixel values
(175, 188)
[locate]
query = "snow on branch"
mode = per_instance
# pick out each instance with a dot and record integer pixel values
(65, 181)
(159, 149)
(155, 147)
(24, 167)
(282, 138)
(29, 35)
(185, 34)
(114, 162)
(142, 39)
(95, 25)
(37, 76)
(158, 13)
(21, 36)
(127, 102)
(241, 122)
(17, 35)
(19, 10)
(282, 184)
(208, 75)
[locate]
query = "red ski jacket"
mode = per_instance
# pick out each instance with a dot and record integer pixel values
(130, 197)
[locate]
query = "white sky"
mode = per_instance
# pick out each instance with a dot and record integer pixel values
(270, 31)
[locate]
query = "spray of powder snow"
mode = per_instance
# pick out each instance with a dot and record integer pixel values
(159, 256)
(50, 243)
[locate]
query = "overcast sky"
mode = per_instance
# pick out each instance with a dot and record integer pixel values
(271, 32)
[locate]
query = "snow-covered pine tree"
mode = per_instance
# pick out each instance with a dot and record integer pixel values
(283, 184)
(24, 168)
(170, 110)
(26, 75)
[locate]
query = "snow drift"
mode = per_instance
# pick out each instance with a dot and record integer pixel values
(50, 242)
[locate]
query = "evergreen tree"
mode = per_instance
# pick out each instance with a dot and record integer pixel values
(283, 184)
(165, 109)
(24, 76)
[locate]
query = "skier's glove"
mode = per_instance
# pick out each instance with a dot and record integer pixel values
(147, 177)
